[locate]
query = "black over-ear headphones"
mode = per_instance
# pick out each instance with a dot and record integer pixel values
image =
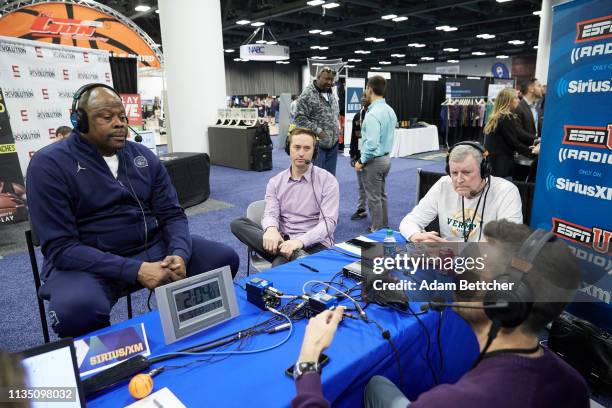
(315, 152)
(485, 166)
(78, 117)
(519, 300)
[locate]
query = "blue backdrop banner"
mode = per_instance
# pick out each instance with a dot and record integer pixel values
(574, 189)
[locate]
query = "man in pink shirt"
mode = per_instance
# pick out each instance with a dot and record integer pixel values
(301, 207)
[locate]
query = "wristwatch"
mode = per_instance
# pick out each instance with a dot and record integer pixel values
(302, 368)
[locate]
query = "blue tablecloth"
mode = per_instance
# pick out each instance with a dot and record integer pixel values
(357, 353)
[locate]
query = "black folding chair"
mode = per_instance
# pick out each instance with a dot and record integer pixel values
(527, 192)
(425, 181)
(33, 242)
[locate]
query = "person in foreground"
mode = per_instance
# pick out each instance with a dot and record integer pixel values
(513, 370)
(302, 205)
(108, 218)
(464, 200)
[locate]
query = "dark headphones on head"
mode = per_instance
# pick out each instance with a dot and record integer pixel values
(485, 166)
(315, 152)
(520, 298)
(78, 117)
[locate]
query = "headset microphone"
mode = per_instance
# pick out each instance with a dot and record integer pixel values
(137, 138)
(307, 162)
(438, 306)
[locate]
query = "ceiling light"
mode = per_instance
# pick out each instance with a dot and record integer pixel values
(361, 52)
(503, 1)
(369, 38)
(315, 2)
(237, 59)
(314, 31)
(229, 50)
(452, 61)
(535, 47)
(354, 60)
(377, 68)
(451, 49)
(260, 41)
(258, 24)
(379, 40)
(478, 53)
(516, 42)
(416, 45)
(400, 19)
(330, 5)
(385, 63)
(142, 8)
(282, 62)
(398, 55)
(349, 66)
(314, 47)
(324, 48)
(442, 27)
(326, 32)
(243, 22)
(451, 29)
(157, 11)
(272, 43)
(486, 36)
(389, 16)
(501, 56)
(411, 65)
(473, 77)
(537, 13)
(427, 58)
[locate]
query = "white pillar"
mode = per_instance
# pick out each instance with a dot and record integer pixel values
(543, 57)
(194, 68)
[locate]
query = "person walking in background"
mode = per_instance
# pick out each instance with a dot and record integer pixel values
(526, 111)
(377, 134)
(356, 155)
(317, 110)
(62, 132)
(504, 134)
(293, 109)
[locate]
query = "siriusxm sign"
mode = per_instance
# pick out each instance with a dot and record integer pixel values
(264, 52)
(583, 86)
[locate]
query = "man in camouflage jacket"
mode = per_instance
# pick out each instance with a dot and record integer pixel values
(317, 110)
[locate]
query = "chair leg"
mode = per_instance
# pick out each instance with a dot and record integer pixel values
(248, 261)
(36, 275)
(129, 305)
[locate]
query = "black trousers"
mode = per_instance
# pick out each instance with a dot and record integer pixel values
(251, 234)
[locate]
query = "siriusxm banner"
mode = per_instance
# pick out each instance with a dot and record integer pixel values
(574, 189)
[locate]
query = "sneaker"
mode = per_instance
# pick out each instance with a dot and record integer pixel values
(359, 214)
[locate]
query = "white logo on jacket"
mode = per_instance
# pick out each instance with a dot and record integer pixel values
(140, 161)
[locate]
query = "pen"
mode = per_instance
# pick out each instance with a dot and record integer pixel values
(309, 267)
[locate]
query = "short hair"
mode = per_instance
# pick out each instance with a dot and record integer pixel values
(461, 152)
(553, 278)
(378, 85)
(525, 84)
(63, 130)
(326, 69)
(302, 131)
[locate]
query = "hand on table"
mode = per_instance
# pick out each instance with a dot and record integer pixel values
(153, 274)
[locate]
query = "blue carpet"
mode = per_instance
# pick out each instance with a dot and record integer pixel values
(19, 319)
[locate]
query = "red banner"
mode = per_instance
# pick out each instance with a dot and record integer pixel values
(133, 109)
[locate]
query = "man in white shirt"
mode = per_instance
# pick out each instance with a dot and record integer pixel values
(464, 200)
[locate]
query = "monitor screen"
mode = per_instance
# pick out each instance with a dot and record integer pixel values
(53, 368)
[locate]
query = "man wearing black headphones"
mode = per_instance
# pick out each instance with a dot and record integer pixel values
(513, 370)
(301, 210)
(464, 200)
(108, 218)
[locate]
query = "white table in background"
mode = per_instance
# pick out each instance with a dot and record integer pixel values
(417, 140)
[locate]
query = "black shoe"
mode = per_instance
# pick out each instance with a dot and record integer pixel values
(359, 214)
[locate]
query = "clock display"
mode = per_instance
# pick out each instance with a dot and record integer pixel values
(198, 300)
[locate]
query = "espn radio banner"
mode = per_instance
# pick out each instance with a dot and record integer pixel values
(12, 190)
(574, 183)
(39, 81)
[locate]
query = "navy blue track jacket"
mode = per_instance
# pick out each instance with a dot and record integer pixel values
(89, 221)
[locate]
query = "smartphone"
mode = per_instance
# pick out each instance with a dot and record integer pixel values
(359, 243)
(323, 360)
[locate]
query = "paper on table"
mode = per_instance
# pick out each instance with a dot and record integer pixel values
(353, 249)
(163, 398)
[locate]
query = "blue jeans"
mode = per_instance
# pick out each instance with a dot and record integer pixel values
(327, 159)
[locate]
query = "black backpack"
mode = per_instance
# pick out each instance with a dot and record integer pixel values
(261, 149)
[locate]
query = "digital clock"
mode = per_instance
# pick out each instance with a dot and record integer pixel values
(193, 304)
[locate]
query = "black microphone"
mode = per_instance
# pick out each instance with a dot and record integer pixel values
(438, 306)
(137, 138)
(307, 162)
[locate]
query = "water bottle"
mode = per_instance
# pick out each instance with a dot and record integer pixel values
(389, 244)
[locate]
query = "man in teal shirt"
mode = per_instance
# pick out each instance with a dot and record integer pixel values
(377, 134)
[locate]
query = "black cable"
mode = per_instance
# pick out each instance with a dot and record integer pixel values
(149, 300)
(387, 336)
(428, 359)
(331, 239)
(484, 203)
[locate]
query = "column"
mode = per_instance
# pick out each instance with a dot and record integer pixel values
(541, 72)
(192, 42)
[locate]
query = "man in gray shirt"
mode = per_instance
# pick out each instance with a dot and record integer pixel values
(317, 110)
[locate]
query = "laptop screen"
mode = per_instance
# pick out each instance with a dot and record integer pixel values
(54, 365)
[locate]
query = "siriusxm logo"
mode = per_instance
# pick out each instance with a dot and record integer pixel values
(591, 86)
(576, 187)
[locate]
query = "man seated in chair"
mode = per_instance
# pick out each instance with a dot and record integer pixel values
(464, 200)
(301, 207)
(108, 218)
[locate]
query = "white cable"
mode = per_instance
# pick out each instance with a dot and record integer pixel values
(214, 353)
